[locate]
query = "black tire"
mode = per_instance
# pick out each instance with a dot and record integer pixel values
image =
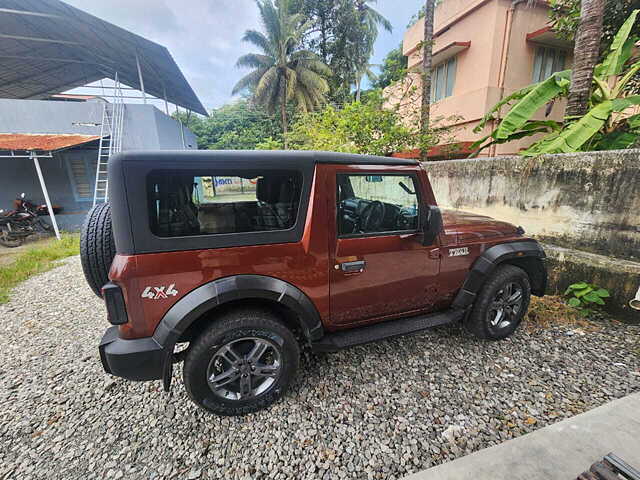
(13, 243)
(482, 322)
(235, 328)
(97, 247)
(44, 226)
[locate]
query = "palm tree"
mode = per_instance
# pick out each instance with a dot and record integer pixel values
(373, 18)
(361, 72)
(427, 51)
(586, 53)
(283, 72)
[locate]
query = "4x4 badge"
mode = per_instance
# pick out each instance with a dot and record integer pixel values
(458, 252)
(155, 293)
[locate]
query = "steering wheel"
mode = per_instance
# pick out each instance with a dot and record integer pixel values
(372, 217)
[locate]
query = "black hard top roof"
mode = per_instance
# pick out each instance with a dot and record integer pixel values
(258, 156)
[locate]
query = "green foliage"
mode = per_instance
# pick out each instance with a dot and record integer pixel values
(533, 101)
(235, 126)
(36, 259)
(363, 128)
(582, 296)
(269, 144)
(602, 127)
(565, 17)
(394, 68)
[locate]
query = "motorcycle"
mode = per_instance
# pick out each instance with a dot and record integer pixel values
(18, 224)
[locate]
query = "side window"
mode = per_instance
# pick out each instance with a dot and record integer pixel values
(370, 204)
(204, 203)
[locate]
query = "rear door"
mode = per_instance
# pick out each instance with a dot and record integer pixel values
(380, 267)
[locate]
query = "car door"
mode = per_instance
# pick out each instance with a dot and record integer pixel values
(380, 268)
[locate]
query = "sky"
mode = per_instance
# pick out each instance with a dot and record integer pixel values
(204, 36)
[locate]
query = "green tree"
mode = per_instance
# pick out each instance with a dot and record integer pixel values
(343, 33)
(359, 127)
(235, 126)
(427, 60)
(565, 18)
(283, 72)
(417, 16)
(585, 55)
(394, 68)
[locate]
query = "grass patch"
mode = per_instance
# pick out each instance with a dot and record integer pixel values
(36, 259)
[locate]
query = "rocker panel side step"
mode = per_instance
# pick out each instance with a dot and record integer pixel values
(333, 342)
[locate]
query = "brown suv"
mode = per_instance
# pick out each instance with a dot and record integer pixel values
(230, 260)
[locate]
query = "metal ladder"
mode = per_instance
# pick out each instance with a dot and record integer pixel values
(110, 142)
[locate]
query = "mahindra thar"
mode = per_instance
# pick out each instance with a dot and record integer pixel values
(232, 261)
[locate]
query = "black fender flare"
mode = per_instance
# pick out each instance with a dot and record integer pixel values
(218, 292)
(491, 258)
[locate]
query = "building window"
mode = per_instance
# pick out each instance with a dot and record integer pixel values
(81, 169)
(443, 78)
(547, 62)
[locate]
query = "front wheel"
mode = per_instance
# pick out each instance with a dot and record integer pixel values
(501, 304)
(242, 363)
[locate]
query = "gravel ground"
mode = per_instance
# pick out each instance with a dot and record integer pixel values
(378, 411)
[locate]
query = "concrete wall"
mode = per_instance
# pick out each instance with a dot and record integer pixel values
(586, 201)
(586, 206)
(145, 127)
(40, 116)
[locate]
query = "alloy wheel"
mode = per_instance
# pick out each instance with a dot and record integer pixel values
(244, 368)
(506, 306)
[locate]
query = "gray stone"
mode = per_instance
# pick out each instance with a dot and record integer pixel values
(375, 411)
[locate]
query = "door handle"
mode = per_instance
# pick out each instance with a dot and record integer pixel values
(353, 267)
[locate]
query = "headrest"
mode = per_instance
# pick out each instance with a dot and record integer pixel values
(273, 189)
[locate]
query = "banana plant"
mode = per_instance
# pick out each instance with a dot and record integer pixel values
(604, 127)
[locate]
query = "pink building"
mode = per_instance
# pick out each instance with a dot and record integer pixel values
(483, 51)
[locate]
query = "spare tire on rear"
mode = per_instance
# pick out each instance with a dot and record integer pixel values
(97, 247)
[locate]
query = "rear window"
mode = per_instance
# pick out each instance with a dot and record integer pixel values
(212, 203)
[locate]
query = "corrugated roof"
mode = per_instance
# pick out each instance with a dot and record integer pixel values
(47, 47)
(42, 142)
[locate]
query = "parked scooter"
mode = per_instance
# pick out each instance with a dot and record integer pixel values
(18, 224)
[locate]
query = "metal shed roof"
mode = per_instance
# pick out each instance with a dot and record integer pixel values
(47, 46)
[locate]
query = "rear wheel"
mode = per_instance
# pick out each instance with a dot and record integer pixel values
(43, 226)
(97, 247)
(501, 304)
(243, 362)
(9, 242)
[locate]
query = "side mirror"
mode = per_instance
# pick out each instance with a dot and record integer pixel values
(431, 225)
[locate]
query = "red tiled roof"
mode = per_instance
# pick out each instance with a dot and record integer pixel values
(453, 150)
(42, 142)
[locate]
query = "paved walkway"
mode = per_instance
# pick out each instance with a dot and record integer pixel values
(560, 451)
